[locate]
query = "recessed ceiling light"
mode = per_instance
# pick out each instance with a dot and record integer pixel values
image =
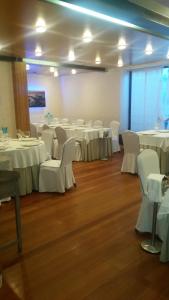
(98, 60)
(120, 62)
(52, 69)
(27, 67)
(73, 71)
(71, 55)
(87, 36)
(122, 44)
(38, 51)
(40, 25)
(55, 74)
(148, 49)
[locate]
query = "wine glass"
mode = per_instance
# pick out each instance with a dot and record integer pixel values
(27, 134)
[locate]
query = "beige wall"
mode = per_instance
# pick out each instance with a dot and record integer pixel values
(93, 95)
(7, 111)
(90, 95)
(50, 85)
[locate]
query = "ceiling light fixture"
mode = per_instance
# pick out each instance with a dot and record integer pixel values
(71, 55)
(40, 25)
(38, 51)
(27, 67)
(73, 71)
(40, 62)
(52, 69)
(87, 36)
(148, 49)
(120, 62)
(98, 60)
(55, 74)
(122, 44)
(93, 13)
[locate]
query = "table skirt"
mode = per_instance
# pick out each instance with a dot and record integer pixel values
(29, 179)
(96, 149)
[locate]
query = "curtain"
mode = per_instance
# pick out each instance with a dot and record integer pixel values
(149, 99)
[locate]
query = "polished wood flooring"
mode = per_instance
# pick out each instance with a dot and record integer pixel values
(82, 245)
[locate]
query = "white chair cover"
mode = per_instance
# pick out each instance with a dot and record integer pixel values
(64, 120)
(98, 123)
(79, 122)
(33, 130)
(148, 163)
(58, 145)
(61, 138)
(57, 175)
(131, 150)
(45, 126)
(89, 123)
(115, 125)
(48, 136)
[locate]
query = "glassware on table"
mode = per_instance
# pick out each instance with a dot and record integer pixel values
(27, 134)
(5, 131)
(19, 134)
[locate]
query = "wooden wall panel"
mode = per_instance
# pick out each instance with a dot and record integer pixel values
(21, 95)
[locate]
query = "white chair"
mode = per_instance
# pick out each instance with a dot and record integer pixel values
(131, 150)
(148, 167)
(79, 122)
(115, 125)
(48, 136)
(89, 123)
(61, 138)
(57, 175)
(64, 120)
(45, 126)
(98, 123)
(33, 131)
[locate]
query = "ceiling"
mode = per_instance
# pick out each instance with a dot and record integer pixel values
(65, 28)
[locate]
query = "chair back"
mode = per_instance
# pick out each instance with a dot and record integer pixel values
(131, 142)
(45, 126)
(61, 135)
(47, 136)
(89, 123)
(64, 120)
(98, 123)
(68, 153)
(79, 122)
(33, 130)
(115, 125)
(147, 163)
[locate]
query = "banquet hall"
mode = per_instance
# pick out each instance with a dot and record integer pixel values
(84, 149)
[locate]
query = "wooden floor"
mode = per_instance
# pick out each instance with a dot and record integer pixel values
(82, 245)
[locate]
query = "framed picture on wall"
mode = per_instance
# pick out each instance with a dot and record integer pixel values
(36, 98)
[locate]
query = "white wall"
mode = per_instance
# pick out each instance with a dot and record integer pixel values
(50, 85)
(93, 95)
(7, 109)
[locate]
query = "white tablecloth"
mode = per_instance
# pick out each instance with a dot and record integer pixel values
(25, 157)
(157, 140)
(96, 143)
